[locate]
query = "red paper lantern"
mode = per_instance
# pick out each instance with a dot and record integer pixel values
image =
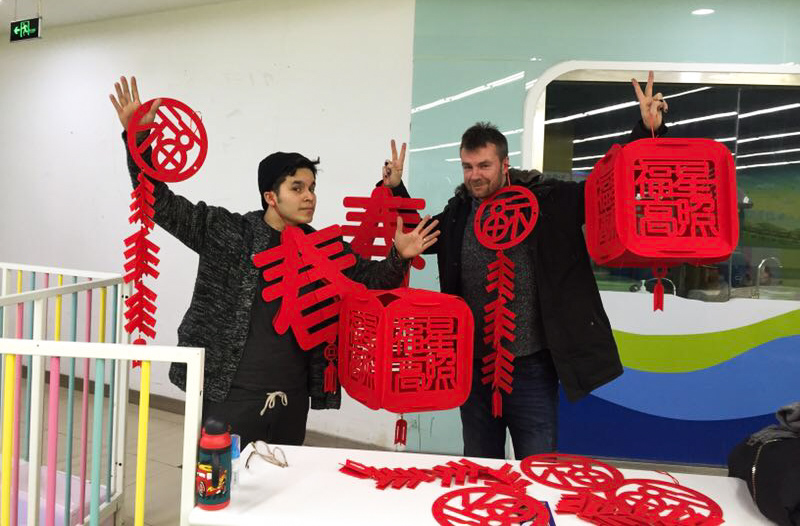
(405, 349)
(658, 203)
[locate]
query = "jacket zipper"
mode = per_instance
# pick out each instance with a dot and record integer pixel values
(755, 465)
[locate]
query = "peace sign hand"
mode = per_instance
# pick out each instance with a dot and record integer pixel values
(393, 170)
(127, 102)
(652, 106)
(412, 244)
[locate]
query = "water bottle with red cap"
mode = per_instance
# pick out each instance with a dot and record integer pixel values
(213, 475)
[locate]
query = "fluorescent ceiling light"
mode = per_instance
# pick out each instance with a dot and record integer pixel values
(766, 164)
(449, 144)
(598, 137)
(769, 110)
(723, 115)
(767, 137)
(530, 83)
(485, 87)
(619, 106)
(587, 157)
(776, 152)
(701, 12)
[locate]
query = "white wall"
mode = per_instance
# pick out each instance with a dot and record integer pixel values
(328, 79)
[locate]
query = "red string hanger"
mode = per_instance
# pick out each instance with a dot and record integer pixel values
(179, 146)
(501, 222)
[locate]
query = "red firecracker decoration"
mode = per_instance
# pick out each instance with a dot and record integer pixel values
(304, 274)
(657, 203)
(176, 136)
(379, 221)
(501, 222)
(405, 350)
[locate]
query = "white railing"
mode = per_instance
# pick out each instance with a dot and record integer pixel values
(41, 309)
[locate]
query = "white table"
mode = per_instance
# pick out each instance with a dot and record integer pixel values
(313, 491)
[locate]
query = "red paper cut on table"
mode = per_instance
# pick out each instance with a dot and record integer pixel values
(501, 222)
(379, 221)
(174, 142)
(667, 502)
(452, 473)
(658, 203)
(405, 350)
(571, 472)
(484, 505)
(303, 273)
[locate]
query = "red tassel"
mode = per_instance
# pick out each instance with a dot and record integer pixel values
(330, 378)
(330, 371)
(658, 290)
(400, 431)
(497, 403)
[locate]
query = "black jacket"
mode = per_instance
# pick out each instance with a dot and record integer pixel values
(576, 326)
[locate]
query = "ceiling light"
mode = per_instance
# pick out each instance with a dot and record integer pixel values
(449, 144)
(766, 164)
(491, 85)
(701, 12)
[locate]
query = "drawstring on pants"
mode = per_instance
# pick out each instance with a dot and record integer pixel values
(269, 403)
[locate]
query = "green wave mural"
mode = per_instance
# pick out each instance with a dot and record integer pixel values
(680, 353)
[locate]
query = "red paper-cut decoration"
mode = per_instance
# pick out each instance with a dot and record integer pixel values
(483, 505)
(302, 272)
(657, 203)
(666, 502)
(405, 349)
(501, 222)
(571, 472)
(172, 142)
(177, 137)
(401, 431)
(331, 353)
(379, 221)
(452, 473)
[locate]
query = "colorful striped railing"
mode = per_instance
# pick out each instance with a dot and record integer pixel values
(41, 309)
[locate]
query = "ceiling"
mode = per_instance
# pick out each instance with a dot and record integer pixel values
(61, 12)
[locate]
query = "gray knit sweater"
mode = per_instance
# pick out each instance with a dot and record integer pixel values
(218, 317)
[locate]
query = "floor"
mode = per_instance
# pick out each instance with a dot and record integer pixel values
(164, 448)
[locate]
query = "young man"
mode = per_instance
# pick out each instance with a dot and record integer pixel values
(255, 379)
(562, 332)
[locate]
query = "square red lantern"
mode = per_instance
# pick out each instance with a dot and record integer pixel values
(662, 202)
(405, 349)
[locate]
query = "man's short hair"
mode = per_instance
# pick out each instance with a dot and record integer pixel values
(275, 168)
(482, 134)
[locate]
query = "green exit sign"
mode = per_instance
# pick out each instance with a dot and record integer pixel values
(25, 29)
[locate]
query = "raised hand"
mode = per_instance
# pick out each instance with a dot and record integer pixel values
(412, 244)
(652, 106)
(127, 102)
(393, 170)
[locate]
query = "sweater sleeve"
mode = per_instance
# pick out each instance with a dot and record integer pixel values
(190, 223)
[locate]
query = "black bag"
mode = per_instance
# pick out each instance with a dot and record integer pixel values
(772, 472)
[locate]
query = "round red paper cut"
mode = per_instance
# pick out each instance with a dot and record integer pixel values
(177, 137)
(654, 499)
(571, 472)
(507, 218)
(482, 505)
